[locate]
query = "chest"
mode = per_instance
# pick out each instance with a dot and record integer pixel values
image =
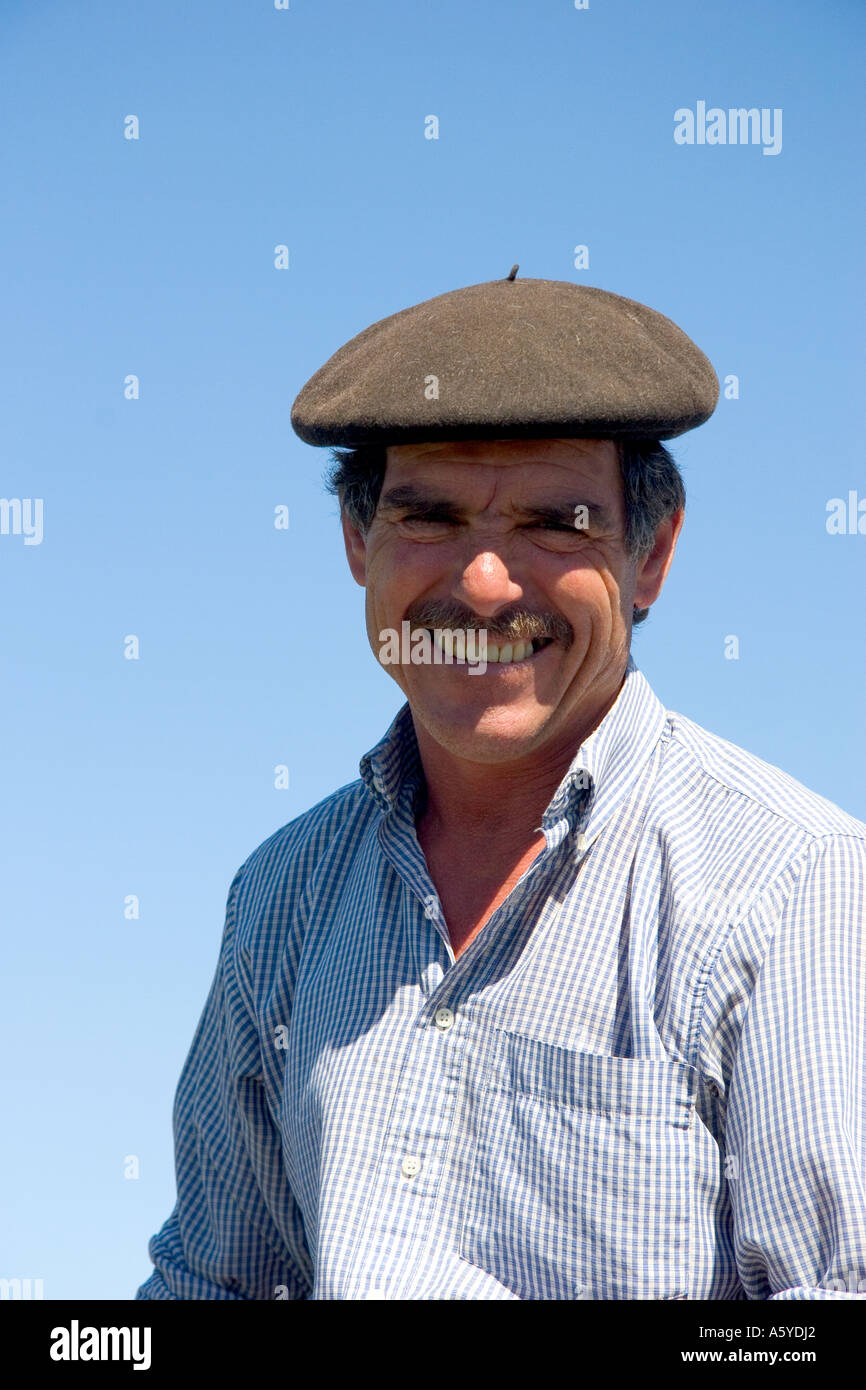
(470, 884)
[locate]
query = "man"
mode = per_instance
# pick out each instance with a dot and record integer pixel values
(564, 997)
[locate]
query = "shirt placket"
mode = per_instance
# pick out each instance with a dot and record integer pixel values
(420, 1164)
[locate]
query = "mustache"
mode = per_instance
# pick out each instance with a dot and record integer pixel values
(519, 625)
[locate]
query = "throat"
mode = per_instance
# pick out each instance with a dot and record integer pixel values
(473, 877)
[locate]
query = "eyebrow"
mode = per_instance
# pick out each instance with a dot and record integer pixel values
(408, 496)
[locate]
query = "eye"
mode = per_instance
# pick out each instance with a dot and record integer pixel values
(426, 521)
(561, 528)
(556, 536)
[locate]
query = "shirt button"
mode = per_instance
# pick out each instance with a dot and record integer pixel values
(410, 1166)
(444, 1018)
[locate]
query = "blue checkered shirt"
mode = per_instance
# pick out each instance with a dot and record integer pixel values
(643, 1079)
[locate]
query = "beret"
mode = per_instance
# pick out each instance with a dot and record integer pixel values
(510, 358)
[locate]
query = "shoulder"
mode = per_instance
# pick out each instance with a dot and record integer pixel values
(762, 792)
(279, 870)
(737, 834)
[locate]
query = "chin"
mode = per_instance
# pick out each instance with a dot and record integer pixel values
(486, 734)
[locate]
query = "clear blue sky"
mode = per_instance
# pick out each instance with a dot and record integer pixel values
(155, 257)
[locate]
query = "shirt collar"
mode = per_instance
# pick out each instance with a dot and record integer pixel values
(603, 769)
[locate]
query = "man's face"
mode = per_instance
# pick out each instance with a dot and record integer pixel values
(482, 534)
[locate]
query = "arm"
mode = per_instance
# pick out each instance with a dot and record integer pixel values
(235, 1224)
(796, 1124)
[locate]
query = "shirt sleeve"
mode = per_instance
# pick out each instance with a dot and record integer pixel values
(235, 1225)
(796, 1123)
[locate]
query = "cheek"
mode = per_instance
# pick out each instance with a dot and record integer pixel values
(588, 593)
(589, 581)
(399, 572)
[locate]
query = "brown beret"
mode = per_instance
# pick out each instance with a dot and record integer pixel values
(509, 358)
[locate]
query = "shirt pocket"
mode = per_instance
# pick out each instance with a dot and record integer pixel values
(581, 1182)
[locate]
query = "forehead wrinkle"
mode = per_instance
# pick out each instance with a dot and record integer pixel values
(548, 477)
(574, 458)
(580, 470)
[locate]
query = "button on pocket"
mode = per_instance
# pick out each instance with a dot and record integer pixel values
(582, 1173)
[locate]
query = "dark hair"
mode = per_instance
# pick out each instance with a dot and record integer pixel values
(653, 489)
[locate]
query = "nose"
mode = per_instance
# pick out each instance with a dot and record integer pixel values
(485, 584)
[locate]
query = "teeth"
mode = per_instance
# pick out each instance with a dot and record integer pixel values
(501, 653)
(509, 651)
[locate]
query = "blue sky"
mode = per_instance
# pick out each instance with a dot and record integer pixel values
(155, 257)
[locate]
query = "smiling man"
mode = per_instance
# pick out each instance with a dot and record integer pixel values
(482, 535)
(564, 997)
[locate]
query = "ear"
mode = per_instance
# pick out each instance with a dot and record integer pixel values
(652, 570)
(356, 552)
